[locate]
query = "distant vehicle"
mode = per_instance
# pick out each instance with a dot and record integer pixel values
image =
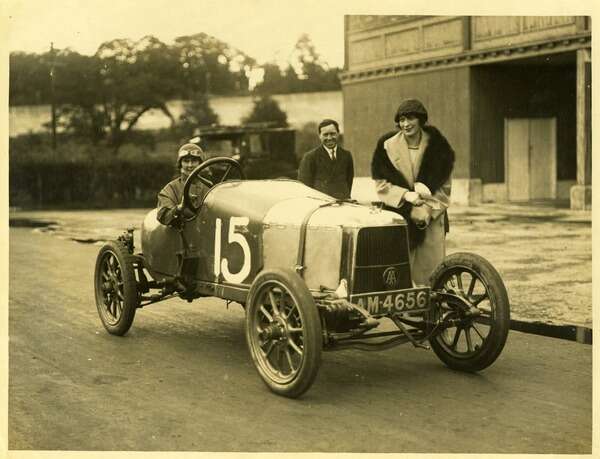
(312, 273)
(263, 150)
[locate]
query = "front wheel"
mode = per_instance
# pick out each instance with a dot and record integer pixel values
(473, 312)
(116, 288)
(283, 331)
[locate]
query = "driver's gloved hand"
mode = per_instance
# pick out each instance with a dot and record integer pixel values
(177, 220)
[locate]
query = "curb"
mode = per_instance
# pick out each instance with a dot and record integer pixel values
(26, 222)
(576, 333)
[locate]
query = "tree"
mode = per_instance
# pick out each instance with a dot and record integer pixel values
(29, 81)
(134, 77)
(103, 96)
(279, 81)
(208, 65)
(313, 71)
(306, 72)
(77, 79)
(197, 112)
(267, 109)
(272, 80)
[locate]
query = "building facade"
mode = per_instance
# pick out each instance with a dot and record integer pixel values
(512, 94)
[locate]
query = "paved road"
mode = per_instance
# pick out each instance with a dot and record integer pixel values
(182, 380)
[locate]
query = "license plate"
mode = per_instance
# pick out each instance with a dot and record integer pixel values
(387, 303)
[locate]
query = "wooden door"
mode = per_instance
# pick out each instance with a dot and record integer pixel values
(530, 155)
(517, 158)
(542, 158)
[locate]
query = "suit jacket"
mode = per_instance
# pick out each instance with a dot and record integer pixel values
(334, 178)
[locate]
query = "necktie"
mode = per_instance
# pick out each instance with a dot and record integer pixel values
(333, 155)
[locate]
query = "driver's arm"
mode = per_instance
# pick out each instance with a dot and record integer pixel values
(167, 206)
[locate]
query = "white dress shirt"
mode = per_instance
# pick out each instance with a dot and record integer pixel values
(331, 152)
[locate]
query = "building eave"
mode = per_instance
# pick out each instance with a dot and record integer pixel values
(471, 57)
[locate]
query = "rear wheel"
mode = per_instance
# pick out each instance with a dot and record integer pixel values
(473, 312)
(283, 331)
(116, 288)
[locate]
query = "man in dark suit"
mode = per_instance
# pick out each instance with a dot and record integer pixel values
(328, 168)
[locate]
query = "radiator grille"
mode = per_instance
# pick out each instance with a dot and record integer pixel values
(378, 249)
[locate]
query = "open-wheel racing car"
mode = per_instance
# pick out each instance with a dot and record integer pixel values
(312, 273)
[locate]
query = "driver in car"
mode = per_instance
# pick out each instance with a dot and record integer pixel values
(170, 209)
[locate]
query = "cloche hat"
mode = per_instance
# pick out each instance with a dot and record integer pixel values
(411, 107)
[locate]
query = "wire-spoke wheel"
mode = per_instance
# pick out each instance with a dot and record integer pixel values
(116, 288)
(473, 315)
(283, 331)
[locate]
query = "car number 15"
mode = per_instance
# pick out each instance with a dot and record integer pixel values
(234, 236)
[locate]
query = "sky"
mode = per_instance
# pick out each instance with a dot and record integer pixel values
(264, 29)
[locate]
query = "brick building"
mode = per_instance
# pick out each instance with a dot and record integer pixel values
(511, 93)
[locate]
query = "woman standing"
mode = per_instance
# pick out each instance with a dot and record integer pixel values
(412, 169)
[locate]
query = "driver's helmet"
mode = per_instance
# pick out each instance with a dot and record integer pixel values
(189, 149)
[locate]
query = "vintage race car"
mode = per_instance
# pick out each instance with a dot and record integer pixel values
(313, 273)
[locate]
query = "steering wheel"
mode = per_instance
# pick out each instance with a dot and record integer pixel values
(195, 175)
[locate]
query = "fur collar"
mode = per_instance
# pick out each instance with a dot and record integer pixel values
(436, 164)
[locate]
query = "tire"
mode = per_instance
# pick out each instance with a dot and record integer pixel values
(116, 288)
(283, 332)
(466, 346)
